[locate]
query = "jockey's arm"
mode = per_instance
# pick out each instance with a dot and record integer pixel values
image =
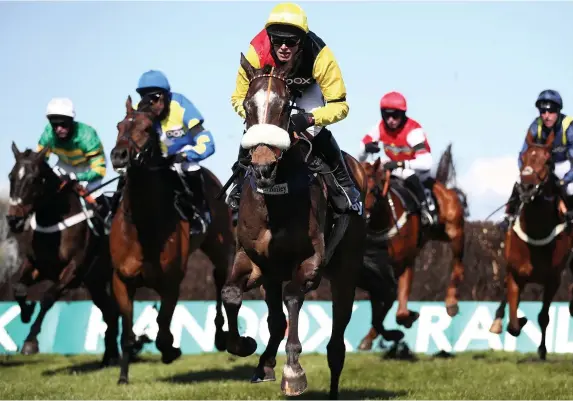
(568, 177)
(200, 143)
(327, 74)
(422, 157)
(92, 149)
(46, 141)
(242, 83)
(368, 139)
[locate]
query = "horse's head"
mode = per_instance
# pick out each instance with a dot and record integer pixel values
(267, 111)
(378, 181)
(536, 168)
(137, 142)
(27, 180)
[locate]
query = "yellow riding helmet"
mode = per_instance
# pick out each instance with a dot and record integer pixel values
(288, 14)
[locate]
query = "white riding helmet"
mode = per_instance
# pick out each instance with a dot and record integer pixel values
(61, 106)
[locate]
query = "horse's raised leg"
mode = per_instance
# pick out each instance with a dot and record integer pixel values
(124, 293)
(405, 317)
(216, 251)
(164, 340)
(277, 325)
(549, 291)
(232, 295)
(456, 235)
(513, 296)
(294, 378)
(48, 300)
(110, 313)
(496, 326)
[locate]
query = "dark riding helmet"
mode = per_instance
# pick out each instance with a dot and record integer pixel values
(549, 99)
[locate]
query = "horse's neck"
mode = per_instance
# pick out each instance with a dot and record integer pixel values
(148, 195)
(541, 214)
(57, 203)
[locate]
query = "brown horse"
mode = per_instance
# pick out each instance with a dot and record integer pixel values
(61, 243)
(287, 232)
(150, 238)
(538, 244)
(393, 226)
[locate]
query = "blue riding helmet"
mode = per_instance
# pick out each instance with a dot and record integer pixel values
(153, 79)
(549, 95)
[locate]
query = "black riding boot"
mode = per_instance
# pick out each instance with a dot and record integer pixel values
(510, 209)
(415, 185)
(568, 200)
(324, 144)
(234, 197)
(200, 217)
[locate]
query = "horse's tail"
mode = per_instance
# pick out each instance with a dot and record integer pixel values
(446, 172)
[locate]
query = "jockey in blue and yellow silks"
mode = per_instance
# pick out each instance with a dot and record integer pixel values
(180, 127)
(549, 104)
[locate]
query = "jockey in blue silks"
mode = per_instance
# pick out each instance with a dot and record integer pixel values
(180, 127)
(549, 104)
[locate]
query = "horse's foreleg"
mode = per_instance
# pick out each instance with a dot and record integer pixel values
(49, 298)
(232, 295)
(123, 294)
(164, 340)
(277, 326)
(549, 291)
(405, 317)
(513, 296)
(28, 276)
(110, 313)
(499, 315)
(456, 235)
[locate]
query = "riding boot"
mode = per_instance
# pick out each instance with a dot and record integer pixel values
(415, 185)
(568, 200)
(234, 197)
(325, 145)
(198, 213)
(510, 209)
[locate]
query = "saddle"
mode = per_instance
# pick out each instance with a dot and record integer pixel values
(409, 200)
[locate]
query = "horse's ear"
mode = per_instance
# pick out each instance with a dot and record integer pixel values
(15, 151)
(529, 139)
(42, 154)
(128, 105)
(249, 69)
(376, 164)
(550, 138)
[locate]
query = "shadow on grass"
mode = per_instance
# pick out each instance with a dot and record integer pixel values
(241, 373)
(351, 395)
(91, 366)
(8, 363)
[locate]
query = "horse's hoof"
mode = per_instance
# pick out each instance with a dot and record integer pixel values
(109, 361)
(30, 348)
(522, 321)
(266, 374)
(294, 381)
(365, 345)
(122, 380)
(408, 320)
(27, 312)
(169, 356)
(452, 310)
(496, 326)
(221, 340)
(393, 335)
(246, 346)
(542, 352)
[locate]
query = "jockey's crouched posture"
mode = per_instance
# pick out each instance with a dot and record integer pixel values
(317, 87)
(78, 147)
(180, 127)
(549, 104)
(406, 149)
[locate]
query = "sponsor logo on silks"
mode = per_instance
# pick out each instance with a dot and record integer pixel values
(299, 81)
(278, 189)
(394, 149)
(175, 133)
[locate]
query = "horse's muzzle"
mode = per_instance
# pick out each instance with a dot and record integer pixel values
(119, 157)
(16, 223)
(265, 174)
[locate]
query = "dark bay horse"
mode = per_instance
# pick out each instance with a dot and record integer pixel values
(538, 244)
(151, 240)
(285, 234)
(393, 226)
(61, 242)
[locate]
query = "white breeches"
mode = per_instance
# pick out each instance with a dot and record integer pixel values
(68, 168)
(311, 99)
(562, 168)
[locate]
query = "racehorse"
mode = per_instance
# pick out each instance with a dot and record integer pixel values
(285, 233)
(538, 243)
(393, 226)
(150, 239)
(61, 242)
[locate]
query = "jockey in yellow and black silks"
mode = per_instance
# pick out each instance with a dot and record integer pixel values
(316, 81)
(179, 125)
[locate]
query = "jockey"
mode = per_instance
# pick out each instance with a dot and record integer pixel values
(406, 149)
(318, 88)
(549, 104)
(78, 147)
(180, 127)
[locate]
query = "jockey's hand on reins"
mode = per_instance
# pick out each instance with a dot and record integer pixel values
(301, 121)
(372, 147)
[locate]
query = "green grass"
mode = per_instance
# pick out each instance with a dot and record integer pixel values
(489, 375)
